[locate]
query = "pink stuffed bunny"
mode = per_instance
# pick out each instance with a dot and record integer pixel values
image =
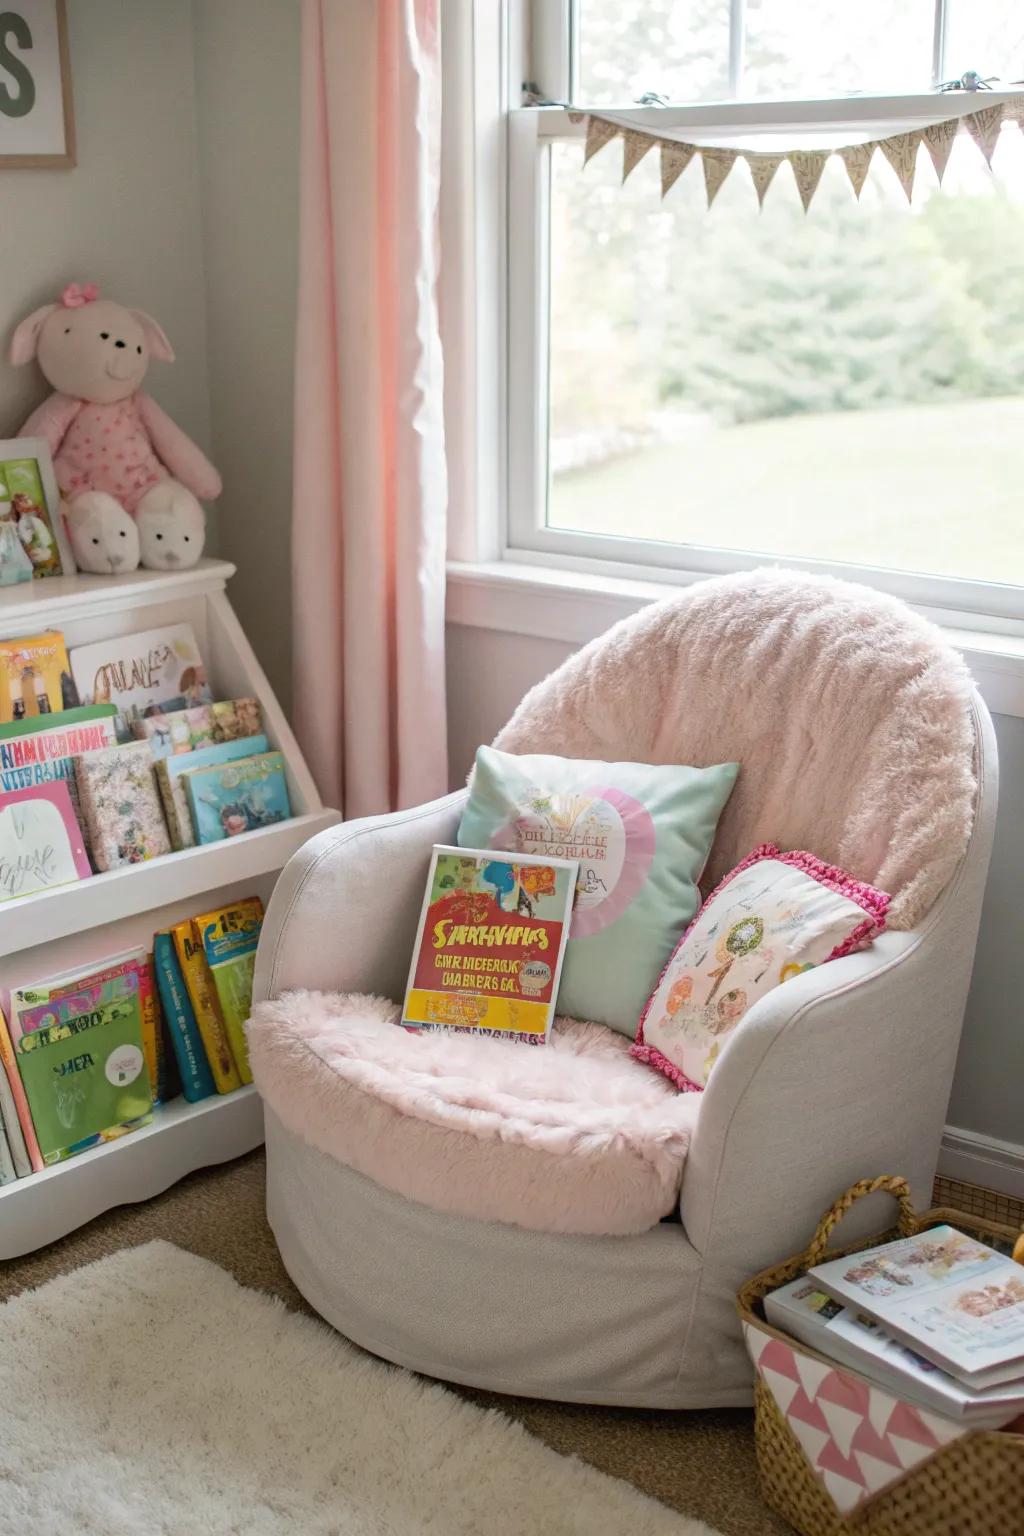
(115, 451)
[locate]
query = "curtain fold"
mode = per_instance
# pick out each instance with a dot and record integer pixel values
(370, 484)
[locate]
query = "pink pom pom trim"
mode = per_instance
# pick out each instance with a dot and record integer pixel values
(77, 294)
(875, 904)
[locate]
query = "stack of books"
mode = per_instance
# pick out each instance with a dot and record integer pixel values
(88, 1054)
(937, 1319)
(116, 752)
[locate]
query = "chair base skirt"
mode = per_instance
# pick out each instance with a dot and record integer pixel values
(616, 1320)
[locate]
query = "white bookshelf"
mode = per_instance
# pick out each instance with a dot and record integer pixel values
(77, 924)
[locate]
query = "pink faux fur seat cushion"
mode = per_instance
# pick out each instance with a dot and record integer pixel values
(571, 1137)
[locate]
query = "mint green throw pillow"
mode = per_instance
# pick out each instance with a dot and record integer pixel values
(642, 835)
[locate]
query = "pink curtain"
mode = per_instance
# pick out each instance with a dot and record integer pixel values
(370, 490)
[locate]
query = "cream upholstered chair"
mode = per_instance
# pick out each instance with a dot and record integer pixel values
(861, 739)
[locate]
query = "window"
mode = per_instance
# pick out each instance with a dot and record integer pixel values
(694, 390)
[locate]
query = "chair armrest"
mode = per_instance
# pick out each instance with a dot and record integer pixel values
(345, 909)
(841, 1073)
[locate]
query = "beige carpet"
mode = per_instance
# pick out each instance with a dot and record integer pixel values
(701, 1464)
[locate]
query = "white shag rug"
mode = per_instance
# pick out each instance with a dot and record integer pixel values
(149, 1392)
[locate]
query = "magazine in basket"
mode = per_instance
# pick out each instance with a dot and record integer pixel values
(945, 1295)
(490, 943)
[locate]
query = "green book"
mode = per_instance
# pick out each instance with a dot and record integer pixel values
(229, 936)
(85, 1074)
(82, 714)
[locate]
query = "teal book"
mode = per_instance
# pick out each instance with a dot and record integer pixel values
(196, 1078)
(237, 797)
(170, 772)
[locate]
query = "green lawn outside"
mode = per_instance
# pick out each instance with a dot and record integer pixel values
(933, 488)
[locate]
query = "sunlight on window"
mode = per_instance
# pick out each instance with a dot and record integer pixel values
(845, 385)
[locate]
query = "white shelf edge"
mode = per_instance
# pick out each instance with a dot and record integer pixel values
(181, 1138)
(27, 921)
(60, 599)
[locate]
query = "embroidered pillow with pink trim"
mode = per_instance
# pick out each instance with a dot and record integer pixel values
(775, 916)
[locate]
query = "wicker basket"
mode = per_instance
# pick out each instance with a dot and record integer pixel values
(972, 1485)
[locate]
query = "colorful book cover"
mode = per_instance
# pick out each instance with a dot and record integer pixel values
(11, 1121)
(489, 948)
(122, 805)
(134, 671)
(41, 843)
(170, 772)
(46, 753)
(238, 797)
(229, 937)
(176, 731)
(32, 1007)
(234, 718)
(187, 1043)
(34, 677)
(17, 1088)
(85, 1076)
(203, 996)
(82, 715)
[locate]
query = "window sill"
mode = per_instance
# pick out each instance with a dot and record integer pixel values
(573, 607)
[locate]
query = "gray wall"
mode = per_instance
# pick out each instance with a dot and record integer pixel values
(247, 85)
(127, 217)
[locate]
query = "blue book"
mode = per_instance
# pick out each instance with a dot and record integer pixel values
(196, 1077)
(237, 797)
(170, 776)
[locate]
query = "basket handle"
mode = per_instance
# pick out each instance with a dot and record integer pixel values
(891, 1183)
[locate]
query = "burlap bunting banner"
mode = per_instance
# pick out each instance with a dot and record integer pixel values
(900, 149)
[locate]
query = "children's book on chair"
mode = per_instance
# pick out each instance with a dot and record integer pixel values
(490, 943)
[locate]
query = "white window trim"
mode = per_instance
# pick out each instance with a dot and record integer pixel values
(493, 205)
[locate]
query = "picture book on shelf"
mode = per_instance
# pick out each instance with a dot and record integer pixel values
(11, 1120)
(85, 1075)
(490, 943)
(943, 1294)
(804, 1310)
(41, 845)
(237, 797)
(34, 677)
(170, 777)
(189, 730)
(41, 728)
(188, 947)
(121, 804)
(43, 751)
(186, 1041)
(229, 936)
(159, 666)
(17, 1093)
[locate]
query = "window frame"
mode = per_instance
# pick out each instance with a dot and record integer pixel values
(494, 212)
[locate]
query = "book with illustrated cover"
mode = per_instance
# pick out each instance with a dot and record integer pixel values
(43, 749)
(34, 677)
(809, 1314)
(170, 772)
(186, 1041)
(38, 1006)
(179, 731)
(10, 1119)
(233, 718)
(82, 717)
(944, 1295)
(136, 671)
(237, 797)
(41, 844)
(229, 937)
(202, 993)
(17, 1094)
(85, 1075)
(490, 943)
(121, 804)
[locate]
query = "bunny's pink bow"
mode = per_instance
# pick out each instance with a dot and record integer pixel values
(75, 295)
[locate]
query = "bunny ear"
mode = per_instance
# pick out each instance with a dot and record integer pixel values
(26, 338)
(159, 346)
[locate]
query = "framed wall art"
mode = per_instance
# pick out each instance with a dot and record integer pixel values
(37, 124)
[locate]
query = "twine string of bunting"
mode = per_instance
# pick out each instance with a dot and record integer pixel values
(900, 149)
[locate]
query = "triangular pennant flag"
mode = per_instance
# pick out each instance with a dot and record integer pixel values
(577, 117)
(808, 165)
(938, 141)
(901, 152)
(857, 159)
(762, 169)
(984, 127)
(717, 165)
(674, 160)
(634, 147)
(599, 133)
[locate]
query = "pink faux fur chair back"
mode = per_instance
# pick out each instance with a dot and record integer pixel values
(850, 716)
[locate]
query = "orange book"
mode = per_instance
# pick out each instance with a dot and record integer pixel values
(202, 993)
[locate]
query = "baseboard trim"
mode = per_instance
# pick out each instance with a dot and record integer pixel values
(972, 1158)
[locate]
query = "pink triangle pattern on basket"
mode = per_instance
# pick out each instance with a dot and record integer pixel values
(857, 1438)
